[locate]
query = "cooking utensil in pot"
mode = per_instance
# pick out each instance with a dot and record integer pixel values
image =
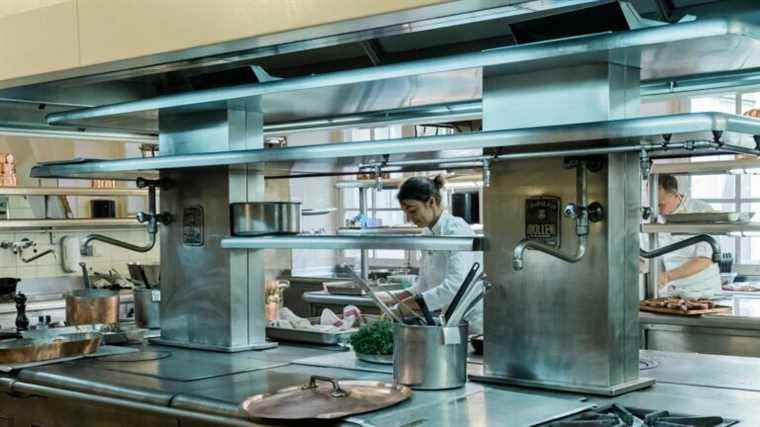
(324, 398)
(265, 218)
(464, 309)
(88, 306)
(366, 288)
(425, 311)
(416, 317)
(461, 291)
(147, 274)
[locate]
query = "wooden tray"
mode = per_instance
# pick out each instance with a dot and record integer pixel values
(718, 309)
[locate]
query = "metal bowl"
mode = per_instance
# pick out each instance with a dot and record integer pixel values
(265, 218)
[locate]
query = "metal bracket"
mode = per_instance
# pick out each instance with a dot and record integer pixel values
(486, 172)
(717, 134)
(645, 163)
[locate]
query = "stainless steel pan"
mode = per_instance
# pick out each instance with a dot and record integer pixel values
(265, 218)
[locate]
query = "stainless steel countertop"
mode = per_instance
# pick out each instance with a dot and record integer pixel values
(215, 383)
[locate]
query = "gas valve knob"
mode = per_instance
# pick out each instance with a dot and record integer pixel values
(570, 210)
(595, 212)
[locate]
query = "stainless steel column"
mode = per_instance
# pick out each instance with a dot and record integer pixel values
(652, 290)
(212, 298)
(555, 324)
(364, 252)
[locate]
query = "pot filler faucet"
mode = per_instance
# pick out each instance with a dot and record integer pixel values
(684, 243)
(152, 218)
(582, 213)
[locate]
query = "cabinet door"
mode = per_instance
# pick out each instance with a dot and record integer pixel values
(38, 40)
(120, 29)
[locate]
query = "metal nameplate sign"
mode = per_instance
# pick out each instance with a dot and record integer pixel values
(542, 220)
(192, 226)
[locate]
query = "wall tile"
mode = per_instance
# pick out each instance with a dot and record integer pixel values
(8, 272)
(27, 272)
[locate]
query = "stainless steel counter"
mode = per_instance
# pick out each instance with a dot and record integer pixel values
(732, 335)
(206, 387)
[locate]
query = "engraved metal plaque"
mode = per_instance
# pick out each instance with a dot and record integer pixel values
(542, 220)
(192, 226)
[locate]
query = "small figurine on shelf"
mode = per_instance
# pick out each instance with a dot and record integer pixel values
(8, 173)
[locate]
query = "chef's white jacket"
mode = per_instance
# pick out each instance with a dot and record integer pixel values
(703, 284)
(442, 272)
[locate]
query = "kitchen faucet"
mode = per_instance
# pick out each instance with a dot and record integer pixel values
(582, 213)
(682, 244)
(152, 218)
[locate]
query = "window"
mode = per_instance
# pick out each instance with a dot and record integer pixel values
(381, 206)
(728, 192)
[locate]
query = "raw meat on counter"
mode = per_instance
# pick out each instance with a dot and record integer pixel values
(682, 304)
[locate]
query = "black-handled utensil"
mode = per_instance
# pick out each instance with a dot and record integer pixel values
(460, 292)
(425, 310)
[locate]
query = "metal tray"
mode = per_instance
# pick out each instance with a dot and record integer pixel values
(379, 359)
(309, 336)
(710, 217)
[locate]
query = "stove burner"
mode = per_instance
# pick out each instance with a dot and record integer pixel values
(619, 416)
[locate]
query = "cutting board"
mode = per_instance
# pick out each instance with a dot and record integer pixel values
(718, 309)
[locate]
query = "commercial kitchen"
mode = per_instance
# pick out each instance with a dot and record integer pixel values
(380, 213)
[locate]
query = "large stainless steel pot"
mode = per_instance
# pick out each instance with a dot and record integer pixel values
(88, 306)
(430, 357)
(263, 218)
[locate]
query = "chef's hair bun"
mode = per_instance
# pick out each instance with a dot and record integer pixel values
(422, 188)
(439, 181)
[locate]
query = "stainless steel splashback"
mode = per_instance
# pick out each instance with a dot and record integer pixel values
(212, 298)
(554, 324)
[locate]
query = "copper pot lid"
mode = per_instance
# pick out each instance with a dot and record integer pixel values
(325, 399)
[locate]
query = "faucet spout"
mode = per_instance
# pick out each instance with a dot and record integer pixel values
(714, 245)
(519, 252)
(581, 228)
(153, 218)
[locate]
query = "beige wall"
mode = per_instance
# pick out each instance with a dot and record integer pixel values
(39, 36)
(30, 151)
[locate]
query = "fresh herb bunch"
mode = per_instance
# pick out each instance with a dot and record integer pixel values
(374, 338)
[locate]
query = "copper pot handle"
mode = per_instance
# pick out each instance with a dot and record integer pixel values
(337, 392)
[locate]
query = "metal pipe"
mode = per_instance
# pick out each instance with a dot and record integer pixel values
(552, 153)
(122, 244)
(559, 135)
(153, 218)
(38, 256)
(683, 244)
(738, 149)
(654, 238)
(364, 255)
(510, 55)
(60, 133)
(57, 393)
(429, 114)
(309, 241)
(581, 228)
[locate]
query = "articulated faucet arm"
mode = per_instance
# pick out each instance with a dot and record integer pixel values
(683, 244)
(518, 254)
(152, 217)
